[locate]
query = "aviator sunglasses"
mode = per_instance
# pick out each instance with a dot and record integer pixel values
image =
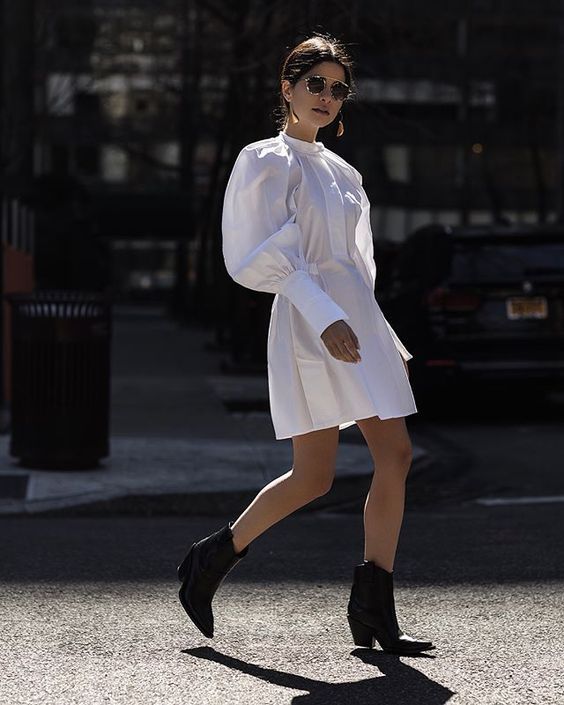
(316, 85)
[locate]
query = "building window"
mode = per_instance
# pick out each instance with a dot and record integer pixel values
(60, 91)
(115, 163)
(397, 160)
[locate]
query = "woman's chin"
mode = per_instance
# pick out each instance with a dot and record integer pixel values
(320, 121)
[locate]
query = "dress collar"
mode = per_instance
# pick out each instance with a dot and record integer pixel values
(302, 145)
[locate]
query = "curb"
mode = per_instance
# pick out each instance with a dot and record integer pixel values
(157, 477)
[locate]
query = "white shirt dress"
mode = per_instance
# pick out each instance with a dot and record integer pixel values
(296, 223)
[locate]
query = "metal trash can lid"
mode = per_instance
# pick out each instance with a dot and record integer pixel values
(59, 304)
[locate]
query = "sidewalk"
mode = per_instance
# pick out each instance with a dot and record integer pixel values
(175, 447)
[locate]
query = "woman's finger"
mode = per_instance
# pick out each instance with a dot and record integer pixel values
(339, 351)
(345, 347)
(354, 349)
(347, 355)
(354, 343)
(354, 338)
(350, 351)
(335, 351)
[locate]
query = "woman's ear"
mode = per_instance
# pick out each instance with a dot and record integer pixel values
(286, 90)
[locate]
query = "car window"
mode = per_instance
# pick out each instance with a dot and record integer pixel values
(507, 262)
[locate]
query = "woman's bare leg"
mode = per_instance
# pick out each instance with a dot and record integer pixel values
(391, 450)
(311, 476)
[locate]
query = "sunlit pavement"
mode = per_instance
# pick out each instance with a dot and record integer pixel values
(90, 612)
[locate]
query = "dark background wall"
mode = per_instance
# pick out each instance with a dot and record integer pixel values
(122, 119)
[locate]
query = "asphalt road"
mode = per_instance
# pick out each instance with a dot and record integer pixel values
(89, 612)
(89, 608)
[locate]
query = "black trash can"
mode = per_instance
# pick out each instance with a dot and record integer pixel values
(60, 378)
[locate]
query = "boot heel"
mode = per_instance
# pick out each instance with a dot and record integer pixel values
(362, 635)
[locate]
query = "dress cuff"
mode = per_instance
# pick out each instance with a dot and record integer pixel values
(315, 305)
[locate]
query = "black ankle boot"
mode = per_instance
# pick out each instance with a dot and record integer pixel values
(372, 613)
(202, 572)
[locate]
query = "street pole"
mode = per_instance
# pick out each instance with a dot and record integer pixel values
(2, 206)
(463, 179)
(560, 119)
(17, 77)
(181, 305)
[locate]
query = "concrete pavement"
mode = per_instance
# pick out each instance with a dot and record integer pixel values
(178, 443)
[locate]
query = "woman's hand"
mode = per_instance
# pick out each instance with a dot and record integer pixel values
(341, 341)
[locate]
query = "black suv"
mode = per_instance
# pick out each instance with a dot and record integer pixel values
(480, 302)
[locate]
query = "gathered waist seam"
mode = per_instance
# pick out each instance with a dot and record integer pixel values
(333, 264)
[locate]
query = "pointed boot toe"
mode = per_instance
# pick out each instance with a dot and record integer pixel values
(201, 573)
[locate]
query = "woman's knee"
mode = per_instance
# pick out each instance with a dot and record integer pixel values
(396, 461)
(389, 444)
(405, 456)
(315, 454)
(313, 484)
(404, 452)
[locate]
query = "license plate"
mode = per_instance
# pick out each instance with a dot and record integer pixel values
(526, 307)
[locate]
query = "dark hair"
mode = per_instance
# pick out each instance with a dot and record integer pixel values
(305, 55)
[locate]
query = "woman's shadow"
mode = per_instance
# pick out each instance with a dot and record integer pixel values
(396, 683)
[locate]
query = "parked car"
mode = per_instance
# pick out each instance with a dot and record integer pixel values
(480, 302)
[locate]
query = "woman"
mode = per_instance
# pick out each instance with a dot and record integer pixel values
(296, 223)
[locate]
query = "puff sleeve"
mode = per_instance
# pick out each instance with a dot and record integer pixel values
(365, 257)
(261, 238)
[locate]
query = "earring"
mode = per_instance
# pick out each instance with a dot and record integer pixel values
(341, 128)
(293, 117)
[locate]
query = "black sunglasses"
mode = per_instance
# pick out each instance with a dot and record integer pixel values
(316, 85)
